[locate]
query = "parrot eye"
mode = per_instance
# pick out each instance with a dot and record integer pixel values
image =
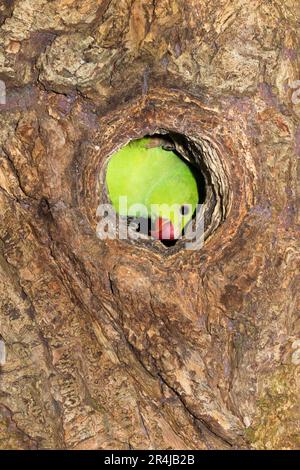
(184, 210)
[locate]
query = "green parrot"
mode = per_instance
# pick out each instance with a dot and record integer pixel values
(158, 185)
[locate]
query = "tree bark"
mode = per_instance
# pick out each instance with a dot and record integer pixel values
(112, 344)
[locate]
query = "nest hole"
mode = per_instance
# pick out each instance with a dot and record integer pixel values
(208, 169)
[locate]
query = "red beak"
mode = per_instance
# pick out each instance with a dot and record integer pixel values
(164, 229)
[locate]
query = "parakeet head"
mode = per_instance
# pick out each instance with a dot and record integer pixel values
(173, 201)
(156, 179)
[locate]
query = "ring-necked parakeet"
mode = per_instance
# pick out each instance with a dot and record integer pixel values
(150, 175)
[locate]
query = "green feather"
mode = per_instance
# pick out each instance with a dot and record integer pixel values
(151, 176)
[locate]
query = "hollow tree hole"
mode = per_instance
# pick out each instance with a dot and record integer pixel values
(205, 170)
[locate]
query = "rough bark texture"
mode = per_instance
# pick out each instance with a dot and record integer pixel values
(111, 344)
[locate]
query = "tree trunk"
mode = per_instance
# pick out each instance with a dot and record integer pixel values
(119, 344)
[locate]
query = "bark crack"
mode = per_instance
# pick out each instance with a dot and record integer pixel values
(17, 174)
(199, 422)
(8, 415)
